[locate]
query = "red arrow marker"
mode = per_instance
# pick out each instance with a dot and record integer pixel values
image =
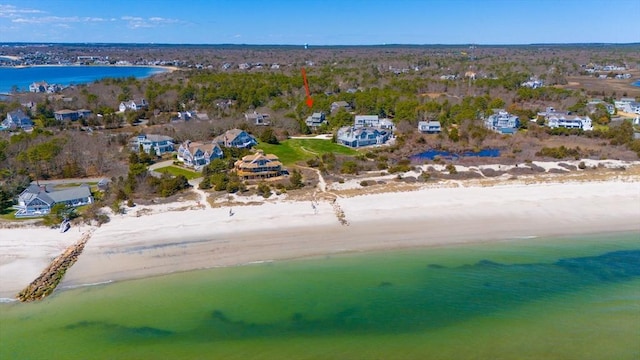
(306, 88)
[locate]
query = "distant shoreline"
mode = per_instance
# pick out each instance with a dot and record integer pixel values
(167, 68)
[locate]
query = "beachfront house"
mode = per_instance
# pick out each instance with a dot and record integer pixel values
(134, 105)
(38, 200)
(158, 144)
(258, 166)
(17, 119)
(316, 120)
(257, 118)
(373, 121)
(502, 122)
(362, 136)
(236, 138)
(570, 122)
(198, 155)
(38, 87)
(429, 127)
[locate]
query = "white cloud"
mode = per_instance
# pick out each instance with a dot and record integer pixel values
(56, 19)
(136, 22)
(10, 11)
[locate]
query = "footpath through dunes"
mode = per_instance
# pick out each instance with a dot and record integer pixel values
(49, 279)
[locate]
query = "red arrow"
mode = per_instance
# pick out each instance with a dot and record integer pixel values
(306, 88)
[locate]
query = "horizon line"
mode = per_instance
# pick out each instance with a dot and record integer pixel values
(320, 45)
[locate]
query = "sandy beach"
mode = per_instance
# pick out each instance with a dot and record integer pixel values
(161, 239)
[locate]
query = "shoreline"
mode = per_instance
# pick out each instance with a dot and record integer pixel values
(163, 239)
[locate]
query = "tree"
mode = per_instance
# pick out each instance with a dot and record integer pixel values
(296, 179)
(269, 137)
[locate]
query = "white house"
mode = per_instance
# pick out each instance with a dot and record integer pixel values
(133, 105)
(429, 127)
(373, 121)
(198, 155)
(570, 122)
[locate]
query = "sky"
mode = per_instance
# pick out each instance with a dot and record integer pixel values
(320, 22)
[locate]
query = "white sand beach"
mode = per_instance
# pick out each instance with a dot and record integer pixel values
(162, 239)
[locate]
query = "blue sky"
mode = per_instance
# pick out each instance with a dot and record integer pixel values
(328, 22)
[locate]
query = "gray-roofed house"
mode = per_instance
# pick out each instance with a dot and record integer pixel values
(235, 138)
(66, 115)
(133, 105)
(161, 144)
(258, 118)
(363, 136)
(337, 105)
(38, 200)
(316, 120)
(198, 155)
(17, 119)
(429, 127)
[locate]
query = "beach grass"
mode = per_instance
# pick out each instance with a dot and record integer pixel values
(292, 151)
(175, 171)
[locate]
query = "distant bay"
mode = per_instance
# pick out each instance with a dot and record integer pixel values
(22, 77)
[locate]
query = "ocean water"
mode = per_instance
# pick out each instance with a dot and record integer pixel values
(68, 75)
(568, 298)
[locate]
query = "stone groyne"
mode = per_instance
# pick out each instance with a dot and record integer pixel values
(49, 279)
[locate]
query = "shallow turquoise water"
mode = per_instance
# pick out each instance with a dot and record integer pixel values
(527, 299)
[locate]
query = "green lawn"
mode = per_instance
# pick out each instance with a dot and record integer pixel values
(292, 151)
(175, 171)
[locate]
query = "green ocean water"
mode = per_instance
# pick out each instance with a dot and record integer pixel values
(568, 298)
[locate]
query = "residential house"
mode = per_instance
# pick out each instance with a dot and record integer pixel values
(362, 136)
(570, 122)
(623, 103)
(66, 115)
(373, 121)
(533, 83)
(258, 118)
(631, 107)
(159, 143)
(235, 138)
(429, 127)
(337, 105)
(38, 200)
(316, 120)
(592, 105)
(550, 111)
(198, 155)
(258, 166)
(134, 105)
(38, 87)
(503, 122)
(17, 119)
